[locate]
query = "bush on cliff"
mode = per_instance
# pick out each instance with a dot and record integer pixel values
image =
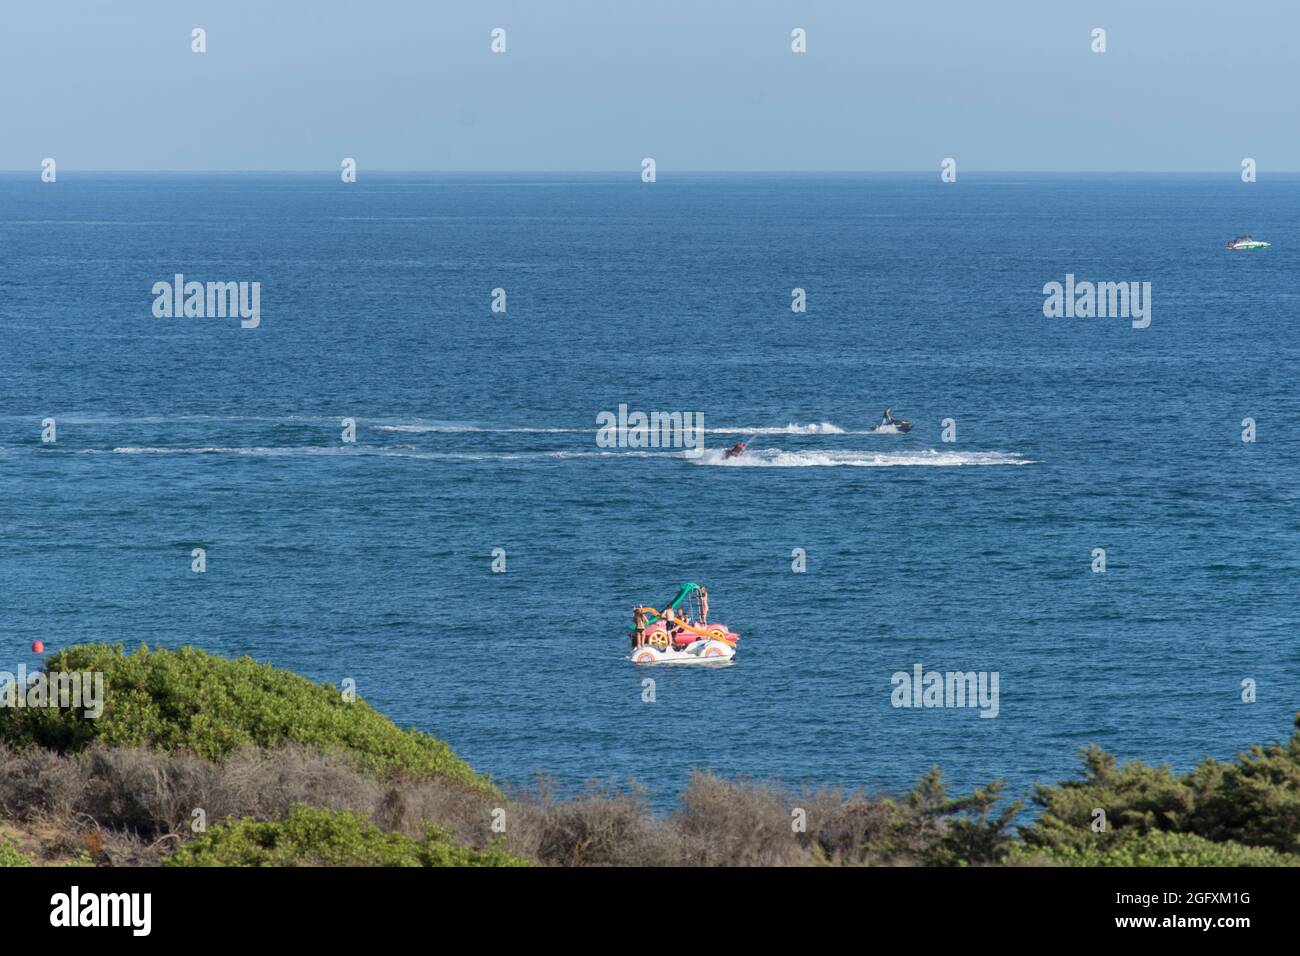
(212, 706)
(1254, 801)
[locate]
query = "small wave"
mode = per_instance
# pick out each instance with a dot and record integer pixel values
(386, 451)
(98, 420)
(213, 450)
(813, 428)
(84, 222)
(454, 427)
(776, 458)
(760, 458)
(287, 451)
(793, 428)
(414, 427)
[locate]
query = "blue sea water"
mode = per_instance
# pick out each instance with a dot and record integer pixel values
(476, 431)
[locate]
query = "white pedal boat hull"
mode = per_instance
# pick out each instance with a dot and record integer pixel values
(700, 652)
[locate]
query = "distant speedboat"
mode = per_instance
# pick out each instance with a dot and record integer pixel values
(1245, 242)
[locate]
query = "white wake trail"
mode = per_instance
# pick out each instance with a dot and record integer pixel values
(776, 458)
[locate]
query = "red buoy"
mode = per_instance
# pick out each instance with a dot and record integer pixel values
(38, 647)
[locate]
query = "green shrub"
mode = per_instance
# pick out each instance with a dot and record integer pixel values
(310, 836)
(1136, 798)
(1156, 848)
(211, 705)
(9, 855)
(1254, 801)
(930, 827)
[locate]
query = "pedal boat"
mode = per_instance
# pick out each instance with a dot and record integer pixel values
(676, 636)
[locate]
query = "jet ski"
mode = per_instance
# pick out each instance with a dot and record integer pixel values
(1245, 242)
(898, 426)
(735, 451)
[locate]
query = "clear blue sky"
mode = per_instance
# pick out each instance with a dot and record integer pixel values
(706, 84)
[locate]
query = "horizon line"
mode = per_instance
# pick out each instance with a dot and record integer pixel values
(635, 171)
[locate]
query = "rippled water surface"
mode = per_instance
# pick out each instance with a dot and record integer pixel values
(477, 431)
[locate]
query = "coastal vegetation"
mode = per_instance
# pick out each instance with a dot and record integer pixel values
(310, 836)
(199, 760)
(189, 700)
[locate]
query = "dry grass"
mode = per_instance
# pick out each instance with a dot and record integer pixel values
(128, 806)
